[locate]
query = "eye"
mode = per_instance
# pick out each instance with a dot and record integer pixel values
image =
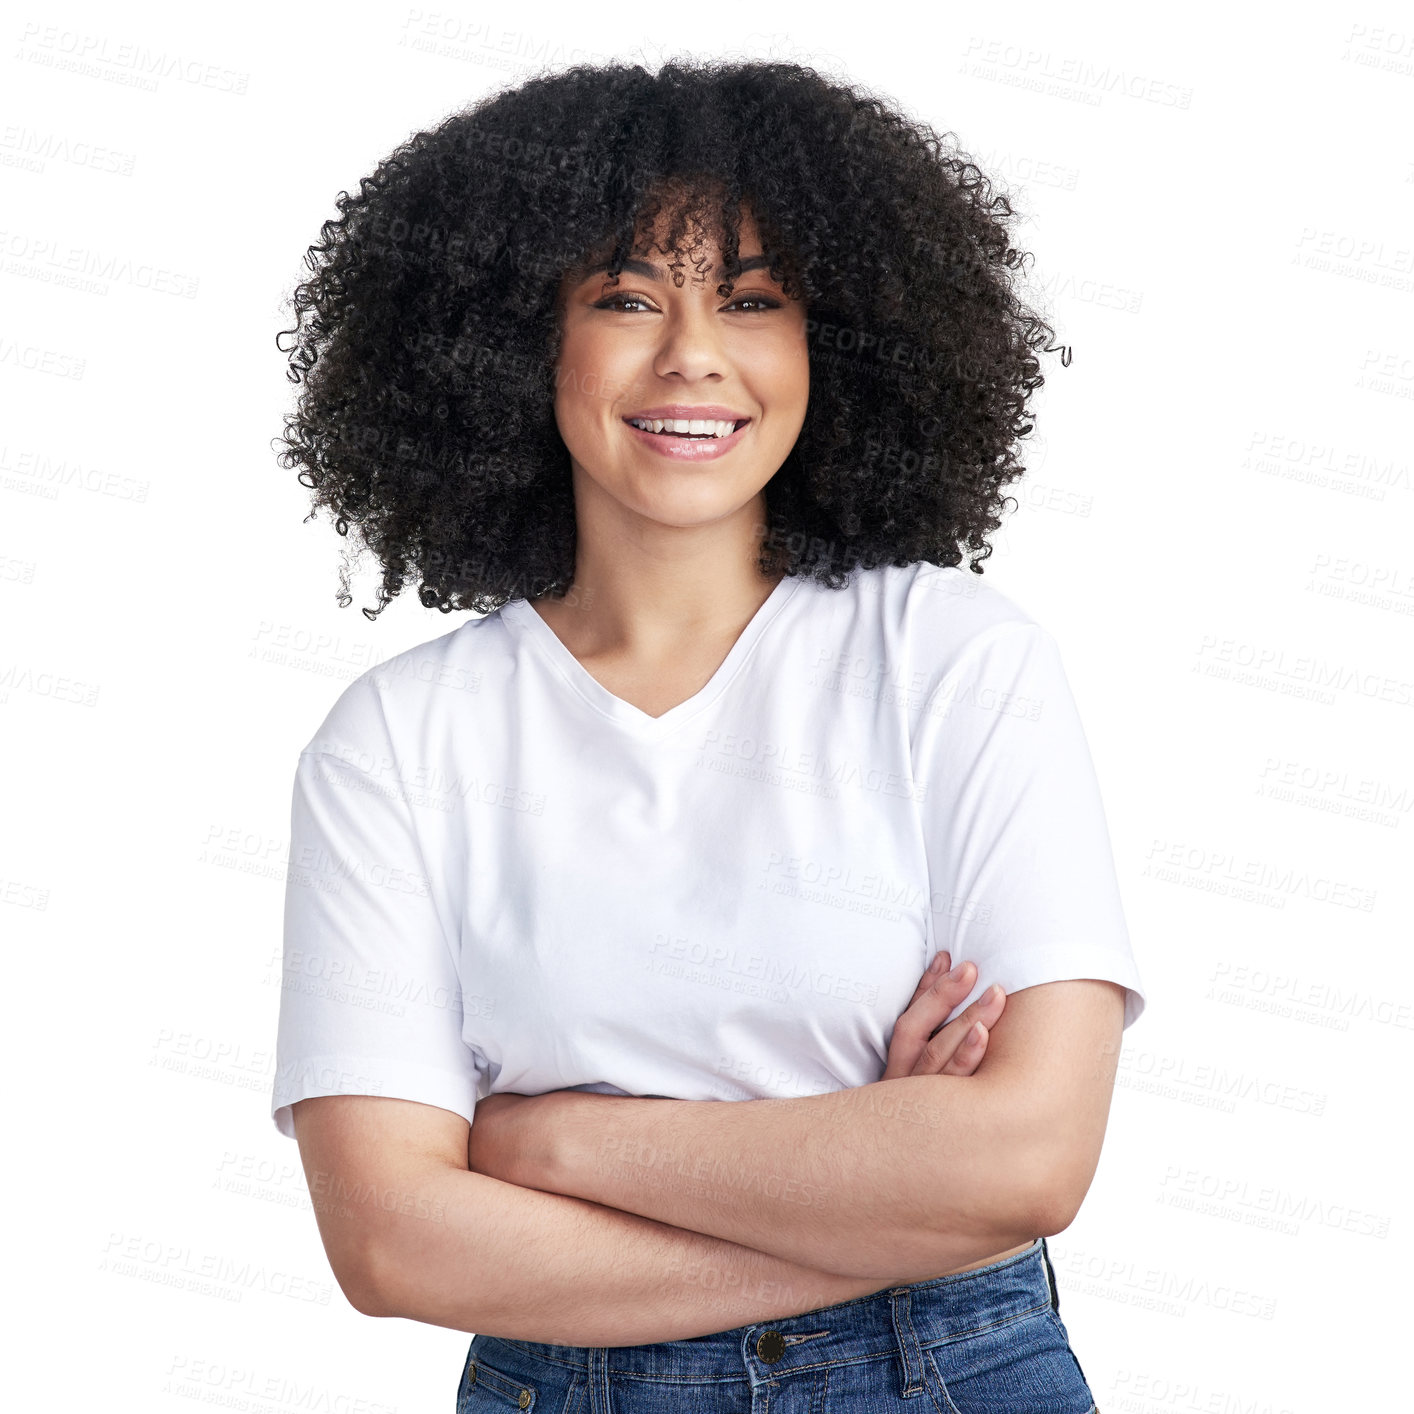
(618, 301)
(765, 301)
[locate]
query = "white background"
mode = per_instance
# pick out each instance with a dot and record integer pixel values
(1216, 527)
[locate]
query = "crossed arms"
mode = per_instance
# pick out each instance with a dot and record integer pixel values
(608, 1220)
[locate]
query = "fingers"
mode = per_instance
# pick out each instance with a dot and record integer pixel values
(986, 1009)
(968, 1056)
(937, 968)
(958, 1047)
(938, 993)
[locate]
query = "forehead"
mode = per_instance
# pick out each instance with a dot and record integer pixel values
(659, 270)
(697, 245)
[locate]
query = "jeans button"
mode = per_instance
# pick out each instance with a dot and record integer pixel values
(770, 1346)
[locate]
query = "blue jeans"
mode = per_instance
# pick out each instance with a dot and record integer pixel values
(987, 1341)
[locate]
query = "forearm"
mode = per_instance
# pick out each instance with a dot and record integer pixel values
(905, 1179)
(526, 1265)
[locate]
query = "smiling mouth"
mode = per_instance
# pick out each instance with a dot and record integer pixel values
(685, 436)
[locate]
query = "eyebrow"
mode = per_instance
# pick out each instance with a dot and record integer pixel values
(651, 272)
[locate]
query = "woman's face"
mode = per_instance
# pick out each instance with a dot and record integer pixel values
(647, 347)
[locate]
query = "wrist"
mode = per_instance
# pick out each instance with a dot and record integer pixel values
(572, 1131)
(553, 1139)
(516, 1138)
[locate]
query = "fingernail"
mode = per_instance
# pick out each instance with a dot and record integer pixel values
(956, 974)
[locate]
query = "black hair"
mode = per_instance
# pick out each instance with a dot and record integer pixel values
(427, 336)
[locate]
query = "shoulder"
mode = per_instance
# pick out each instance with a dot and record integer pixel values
(387, 706)
(942, 616)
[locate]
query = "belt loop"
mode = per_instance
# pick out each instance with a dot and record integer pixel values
(598, 1378)
(909, 1351)
(1050, 1278)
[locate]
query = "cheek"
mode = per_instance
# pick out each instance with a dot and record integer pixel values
(790, 351)
(788, 379)
(579, 377)
(591, 376)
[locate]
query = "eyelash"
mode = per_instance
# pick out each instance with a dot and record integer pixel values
(614, 300)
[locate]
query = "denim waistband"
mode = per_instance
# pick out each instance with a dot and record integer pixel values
(900, 1320)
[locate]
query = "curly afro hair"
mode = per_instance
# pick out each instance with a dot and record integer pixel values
(427, 337)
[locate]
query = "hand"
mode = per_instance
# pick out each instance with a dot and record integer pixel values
(959, 1047)
(510, 1137)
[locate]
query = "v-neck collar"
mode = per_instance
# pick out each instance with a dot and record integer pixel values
(520, 616)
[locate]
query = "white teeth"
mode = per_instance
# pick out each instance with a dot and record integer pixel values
(681, 426)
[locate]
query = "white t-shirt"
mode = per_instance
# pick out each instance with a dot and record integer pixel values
(503, 877)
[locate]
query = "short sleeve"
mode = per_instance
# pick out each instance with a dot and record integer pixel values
(370, 1000)
(1021, 871)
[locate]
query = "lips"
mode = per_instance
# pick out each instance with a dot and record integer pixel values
(685, 449)
(691, 436)
(715, 412)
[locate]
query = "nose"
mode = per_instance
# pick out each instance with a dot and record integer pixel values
(690, 342)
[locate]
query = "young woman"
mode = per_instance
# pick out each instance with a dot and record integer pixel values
(697, 387)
